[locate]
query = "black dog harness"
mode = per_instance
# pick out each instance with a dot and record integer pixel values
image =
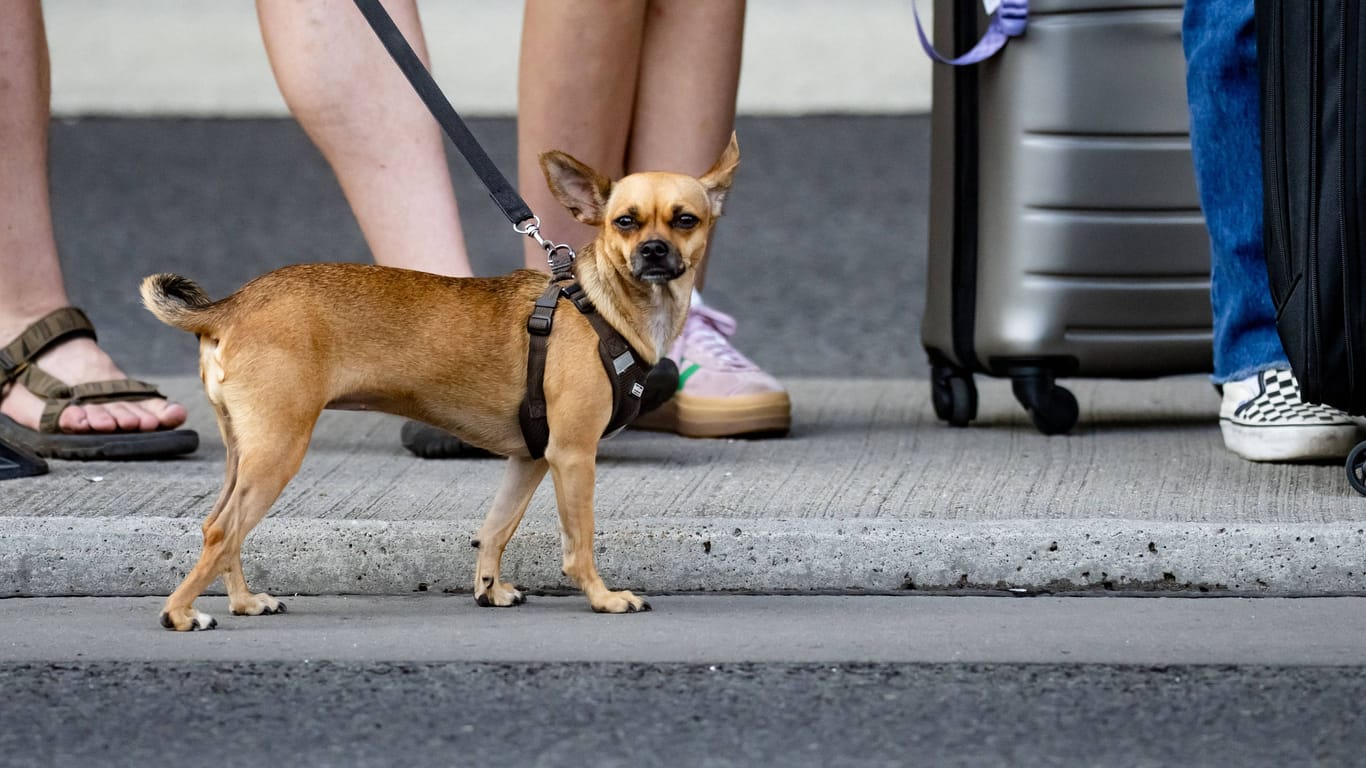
(624, 367)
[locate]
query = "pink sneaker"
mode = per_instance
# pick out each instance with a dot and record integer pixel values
(721, 393)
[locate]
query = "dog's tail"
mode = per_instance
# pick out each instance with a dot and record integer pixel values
(177, 301)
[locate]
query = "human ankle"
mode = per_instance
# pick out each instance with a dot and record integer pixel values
(17, 316)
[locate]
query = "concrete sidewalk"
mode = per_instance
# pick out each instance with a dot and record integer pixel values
(869, 494)
(822, 261)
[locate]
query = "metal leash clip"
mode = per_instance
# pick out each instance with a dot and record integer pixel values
(532, 229)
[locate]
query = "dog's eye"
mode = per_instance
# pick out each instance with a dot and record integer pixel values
(624, 222)
(685, 221)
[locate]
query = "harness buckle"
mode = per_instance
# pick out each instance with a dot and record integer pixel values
(575, 293)
(539, 324)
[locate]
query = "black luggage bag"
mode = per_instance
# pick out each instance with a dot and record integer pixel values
(1312, 73)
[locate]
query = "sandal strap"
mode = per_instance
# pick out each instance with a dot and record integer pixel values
(56, 326)
(16, 365)
(80, 394)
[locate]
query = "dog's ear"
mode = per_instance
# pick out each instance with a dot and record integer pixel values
(717, 180)
(579, 188)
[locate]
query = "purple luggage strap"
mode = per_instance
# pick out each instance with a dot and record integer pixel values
(1008, 21)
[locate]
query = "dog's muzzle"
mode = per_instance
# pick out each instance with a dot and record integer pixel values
(656, 261)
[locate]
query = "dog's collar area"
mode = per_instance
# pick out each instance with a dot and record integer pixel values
(623, 364)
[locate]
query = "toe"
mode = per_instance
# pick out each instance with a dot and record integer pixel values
(171, 415)
(127, 419)
(74, 419)
(146, 416)
(144, 420)
(98, 418)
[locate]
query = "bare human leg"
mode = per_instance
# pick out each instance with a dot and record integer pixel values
(682, 124)
(572, 98)
(381, 142)
(374, 131)
(32, 282)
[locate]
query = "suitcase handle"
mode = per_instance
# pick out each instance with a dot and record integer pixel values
(1008, 21)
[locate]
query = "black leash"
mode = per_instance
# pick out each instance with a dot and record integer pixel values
(504, 195)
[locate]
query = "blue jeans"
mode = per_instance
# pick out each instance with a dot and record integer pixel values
(1221, 86)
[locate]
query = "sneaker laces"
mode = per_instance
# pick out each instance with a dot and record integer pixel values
(710, 330)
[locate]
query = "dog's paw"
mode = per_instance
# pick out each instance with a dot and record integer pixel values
(259, 604)
(188, 620)
(500, 595)
(619, 602)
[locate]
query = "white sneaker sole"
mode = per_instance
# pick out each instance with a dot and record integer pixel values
(1289, 442)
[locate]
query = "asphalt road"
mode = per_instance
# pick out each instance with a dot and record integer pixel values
(700, 681)
(594, 714)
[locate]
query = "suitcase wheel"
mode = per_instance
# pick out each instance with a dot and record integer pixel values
(1356, 468)
(1053, 409)
(954, 395)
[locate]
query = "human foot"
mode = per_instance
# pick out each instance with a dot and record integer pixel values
(59, 386)
(78, 361)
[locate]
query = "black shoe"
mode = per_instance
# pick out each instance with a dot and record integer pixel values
(428, 442)
(16, 461)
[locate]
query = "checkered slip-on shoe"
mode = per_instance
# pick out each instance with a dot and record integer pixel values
(1264, 419)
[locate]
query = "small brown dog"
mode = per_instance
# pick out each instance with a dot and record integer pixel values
(448, 351)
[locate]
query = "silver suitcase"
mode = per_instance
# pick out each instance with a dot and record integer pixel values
(1065, 233)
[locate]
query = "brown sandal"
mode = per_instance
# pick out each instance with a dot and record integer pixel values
(17, 366)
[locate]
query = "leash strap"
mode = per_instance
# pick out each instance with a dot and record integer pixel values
(504, 194)
(1009, 21)
(622, 364)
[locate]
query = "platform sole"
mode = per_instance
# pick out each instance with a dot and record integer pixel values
(112, 446)
(767, 414)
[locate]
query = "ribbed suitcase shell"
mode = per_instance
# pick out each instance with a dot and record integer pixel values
(1066, 237)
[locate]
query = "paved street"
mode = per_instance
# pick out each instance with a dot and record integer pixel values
(706, 629)
(699, 681)
(669, 715)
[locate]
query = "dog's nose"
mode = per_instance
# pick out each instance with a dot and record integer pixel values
(654, 250)
(656, 261)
